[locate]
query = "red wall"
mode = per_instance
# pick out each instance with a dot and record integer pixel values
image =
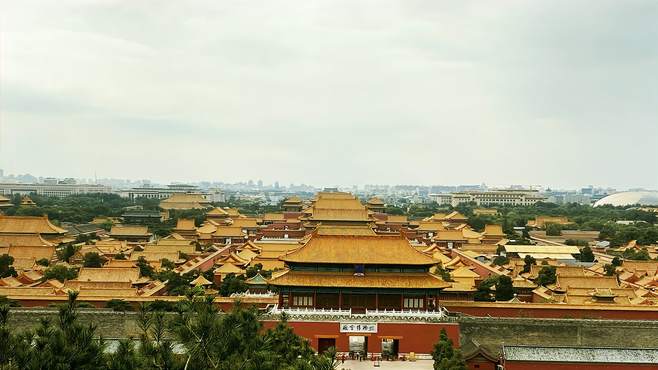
(525, 365)
(480, 365)
(414, 337)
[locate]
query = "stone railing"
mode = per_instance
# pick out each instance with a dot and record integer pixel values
(369, 315)
(275, 310)
(407, 314)
(253, 295)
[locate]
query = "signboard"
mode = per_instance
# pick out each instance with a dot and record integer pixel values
(358, 327)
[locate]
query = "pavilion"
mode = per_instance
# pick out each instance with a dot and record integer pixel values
(358, 272)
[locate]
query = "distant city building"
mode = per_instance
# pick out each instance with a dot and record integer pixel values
(512, 197)
(53, 190)
(158, 193)
(648, 198)
(216, 195)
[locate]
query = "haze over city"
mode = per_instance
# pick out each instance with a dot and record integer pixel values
(557, 93)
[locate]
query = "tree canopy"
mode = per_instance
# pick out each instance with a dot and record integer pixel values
(211, 340)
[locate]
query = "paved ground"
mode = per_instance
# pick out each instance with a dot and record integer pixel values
(386, 365)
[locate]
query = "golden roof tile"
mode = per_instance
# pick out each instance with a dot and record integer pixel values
(29, 225)
(358, 250)
(108, 274)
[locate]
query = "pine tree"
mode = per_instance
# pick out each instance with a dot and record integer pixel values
(445, 356)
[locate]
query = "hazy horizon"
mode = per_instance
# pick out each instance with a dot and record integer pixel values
(560, 94)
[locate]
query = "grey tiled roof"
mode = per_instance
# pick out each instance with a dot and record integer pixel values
(581, 354)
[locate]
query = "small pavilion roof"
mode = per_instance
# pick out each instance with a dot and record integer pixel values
(375, 201)
(228, 268)
(200, 281)
(257, 279)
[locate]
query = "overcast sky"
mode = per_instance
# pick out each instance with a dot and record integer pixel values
(559, 93)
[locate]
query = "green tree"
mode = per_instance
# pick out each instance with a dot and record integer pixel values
(6, 268)
(546, 276)
(586, 254)
(66, 253)
(553, 230)
(445, 356)
(60, 272)
(145, 268)
(119, 305)
(120, 256)
(616, 261)
(177, 284)
(500, 260)
(253, 270)
(609, 269)
(637, 255)
(441, 271)
(287, 346)
(232, 284)
(483, 292)
(125, 357)
(166, 264)
(577, 242)
(528, 262)
(43, 262)
(504, 288)
(67, 345)
(156, 351)
(93, 259)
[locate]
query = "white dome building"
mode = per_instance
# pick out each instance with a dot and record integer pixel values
(645, 198)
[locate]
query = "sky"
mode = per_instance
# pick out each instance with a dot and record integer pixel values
(554, 93)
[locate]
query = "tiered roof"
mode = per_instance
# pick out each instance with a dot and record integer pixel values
(5, 202)
(358, 249)
(185, 201)
(338, 207)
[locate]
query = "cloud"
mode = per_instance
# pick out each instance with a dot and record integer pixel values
(333, 92)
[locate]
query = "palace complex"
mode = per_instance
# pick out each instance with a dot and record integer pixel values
(349, 274)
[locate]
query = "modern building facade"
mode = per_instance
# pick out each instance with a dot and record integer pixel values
(53, 189)
(158, 192)
(511, 197)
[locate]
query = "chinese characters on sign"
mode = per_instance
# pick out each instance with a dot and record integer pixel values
(358, 327)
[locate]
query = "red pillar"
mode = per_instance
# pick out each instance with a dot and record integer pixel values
(376, 301)
(340, 299)
(402, 301)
